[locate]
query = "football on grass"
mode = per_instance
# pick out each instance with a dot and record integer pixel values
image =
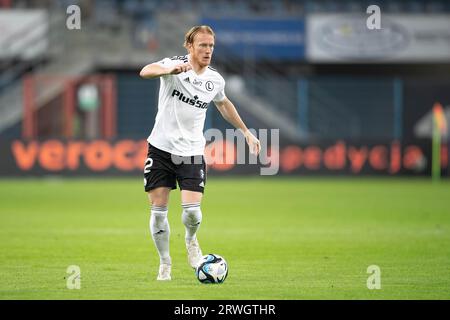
(212, 268)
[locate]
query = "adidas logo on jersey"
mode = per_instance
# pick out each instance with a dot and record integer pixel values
(193, 102)
(187, 80)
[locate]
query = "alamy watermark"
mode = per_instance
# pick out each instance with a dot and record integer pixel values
(374, 20)
(374, 280)
(223, 153)
(73, 21)
(74, 277)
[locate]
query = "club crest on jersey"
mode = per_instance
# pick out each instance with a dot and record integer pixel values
(209, 86)
(193, 102)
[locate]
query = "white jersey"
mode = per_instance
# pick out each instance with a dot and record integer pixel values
(183, 101)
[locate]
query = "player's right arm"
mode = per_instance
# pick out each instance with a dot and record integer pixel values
(155, 70)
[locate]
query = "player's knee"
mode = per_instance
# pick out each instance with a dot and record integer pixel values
(159, 197)
(192, 214)
(159, 202)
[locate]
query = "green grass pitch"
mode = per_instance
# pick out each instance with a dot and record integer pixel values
(295, 238)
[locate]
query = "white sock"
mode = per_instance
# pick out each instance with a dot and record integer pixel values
(160, 231)
(191, 217)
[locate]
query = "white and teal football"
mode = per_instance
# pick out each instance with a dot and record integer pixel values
(212, 268)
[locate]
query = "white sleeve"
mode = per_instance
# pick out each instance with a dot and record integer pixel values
(167, 62)
(220, 96)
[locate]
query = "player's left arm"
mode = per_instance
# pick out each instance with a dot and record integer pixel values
(229, 113)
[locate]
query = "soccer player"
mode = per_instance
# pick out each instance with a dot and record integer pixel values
(176, 144)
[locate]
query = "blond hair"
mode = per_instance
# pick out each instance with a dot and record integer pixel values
(190, 35)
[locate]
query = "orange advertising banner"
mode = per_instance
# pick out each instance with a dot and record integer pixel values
(127, 157)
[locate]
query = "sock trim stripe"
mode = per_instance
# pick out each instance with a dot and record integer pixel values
(192, 205)
(155, 208)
